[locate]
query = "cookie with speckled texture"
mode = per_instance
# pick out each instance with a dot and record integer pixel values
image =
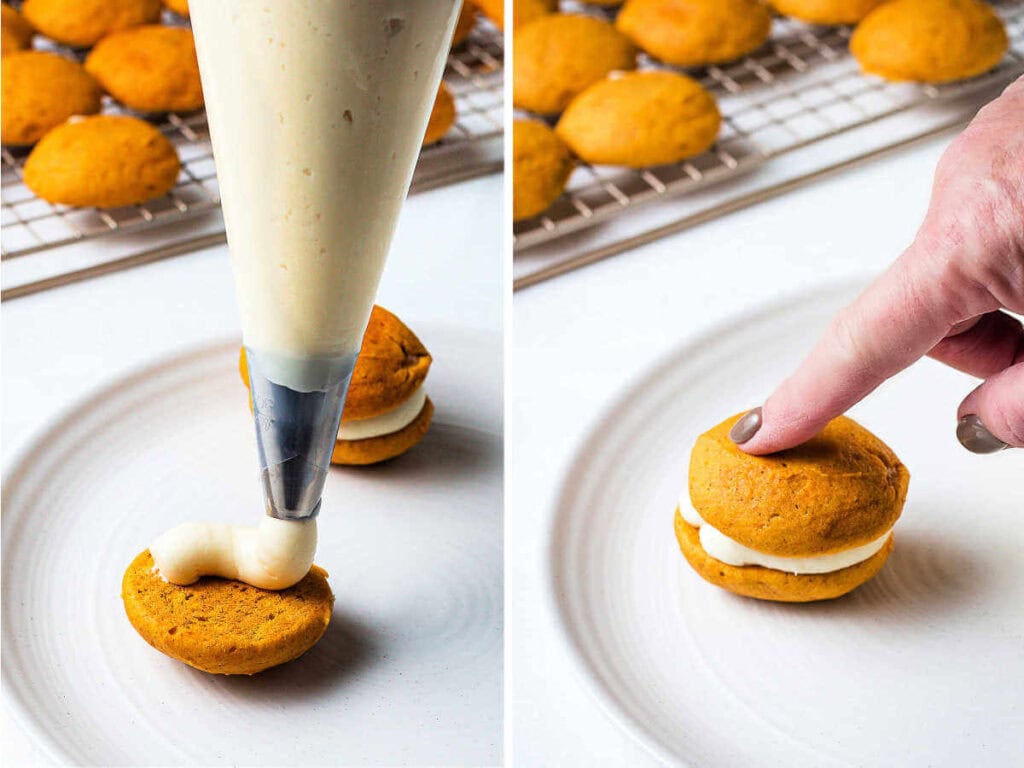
(692, 33)
(41, 91)
(640, 119)
(826, 12)
(442, 116)
(929, 41)
(81, 23)
(151, 68)
(104, 161)
(841, 489)
(770, 584)
(15, 32)
(223, 626)
(559, 56)
(541, 166)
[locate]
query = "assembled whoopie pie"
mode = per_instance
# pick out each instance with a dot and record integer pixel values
(810, 523)
(387, 411)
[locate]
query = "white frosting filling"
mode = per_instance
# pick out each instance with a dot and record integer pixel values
(731, 552)
(274, 555)
(385, 423)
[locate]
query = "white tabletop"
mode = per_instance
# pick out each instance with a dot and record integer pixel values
(579, 339)
(58, 346)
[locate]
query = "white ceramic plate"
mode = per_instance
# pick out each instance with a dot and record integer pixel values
(922, 666)
(410, 669)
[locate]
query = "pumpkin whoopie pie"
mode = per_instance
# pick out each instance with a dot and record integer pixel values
(810, 523)
(387, 411)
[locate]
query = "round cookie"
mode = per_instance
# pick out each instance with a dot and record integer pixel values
(692, 33)
(464, 24)
(373, 450)
(769, 584)
(640, 119)
(40, 91)
(826, 12)
(442, 116)
(523, 11)
(151, 68)
(104, 161)
(81, 23)
(180, 7)
(541, 166)
(15, 32)
(841, 489)
(558, 56)
(222, 626)
(930, 41)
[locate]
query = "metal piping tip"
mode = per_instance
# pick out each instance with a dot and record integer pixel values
(295, 434)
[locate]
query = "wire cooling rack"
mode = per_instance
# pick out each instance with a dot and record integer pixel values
(801, 88)
(474, 75)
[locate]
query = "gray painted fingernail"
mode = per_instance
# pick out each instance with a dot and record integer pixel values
(975, 437)
(746, 427)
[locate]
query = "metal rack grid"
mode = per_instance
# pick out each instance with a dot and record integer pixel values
(474, 75)
(802, 87)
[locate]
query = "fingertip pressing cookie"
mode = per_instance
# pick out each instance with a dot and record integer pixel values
(15, 33)
(442, 116)
(640, 119)
(40, 91)
(180, 7)
(464, 24)
(809, 523)
(692, 33)
(222, 626)
(386, 410)
(826, 12)
(103, 161)
(541, 166)
(929, 41)
(151, 68)
(81, 23)
(558, 56)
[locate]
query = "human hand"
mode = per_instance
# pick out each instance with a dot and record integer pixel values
(942, 298)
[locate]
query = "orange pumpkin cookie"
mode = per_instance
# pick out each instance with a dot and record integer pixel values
(826, 12)
(809, 523)
(223, 626)
(929, 41)
(559, 56)
(81, 23)
(692, 33)
(523, 11)
(151, 68)
(40, 91)
(15, 32)
(640, 119)
(442, 116)
(464, 24)
(541, 166)
(386, 411)
(104, 161)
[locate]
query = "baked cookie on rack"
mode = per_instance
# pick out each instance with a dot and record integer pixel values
(442, 116)
(151, 68)
(694, 33)
(558, 56)
(223, 626)
(81, 23)
(387, 411)
(104, 161)
(15, 33)
(639, 119)
(523, 11)
(464, 24)
(826, 12)
(180, 7)
(541, 166)
(929, 41)
(809, 523)
(40, 91)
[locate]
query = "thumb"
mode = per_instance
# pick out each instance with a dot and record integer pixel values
(992, 416)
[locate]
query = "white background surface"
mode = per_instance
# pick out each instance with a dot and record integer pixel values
(58, 346)
(580, 339)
